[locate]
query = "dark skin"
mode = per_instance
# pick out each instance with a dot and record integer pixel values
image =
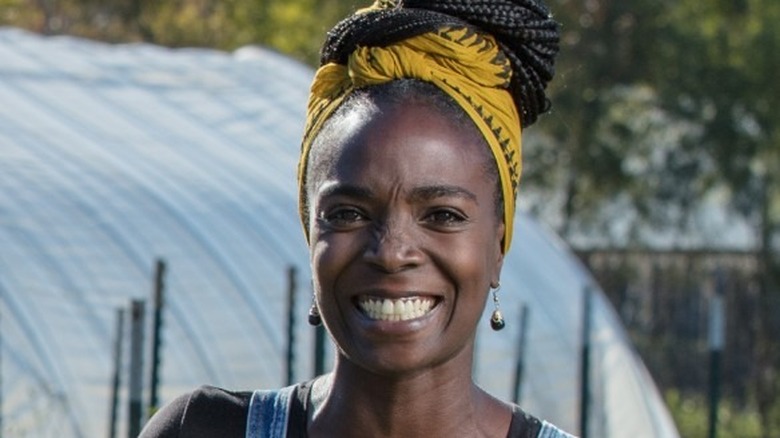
(402, 211)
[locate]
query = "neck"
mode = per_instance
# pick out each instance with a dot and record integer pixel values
(354, 402)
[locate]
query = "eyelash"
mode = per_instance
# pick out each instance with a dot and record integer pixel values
(348, 216)
(336, 216)
(453, 217)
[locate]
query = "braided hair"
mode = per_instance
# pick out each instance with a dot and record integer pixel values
(524, 30)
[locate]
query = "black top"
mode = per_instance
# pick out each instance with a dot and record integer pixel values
(213, 412)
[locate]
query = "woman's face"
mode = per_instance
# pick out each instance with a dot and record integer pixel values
(405, 239)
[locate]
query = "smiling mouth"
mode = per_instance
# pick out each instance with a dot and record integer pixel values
(404, 309)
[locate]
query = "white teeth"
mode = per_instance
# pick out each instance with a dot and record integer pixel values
(396, 310)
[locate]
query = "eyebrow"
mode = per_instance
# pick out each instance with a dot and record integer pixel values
(346, 190)
(427, 193)
(424, 193)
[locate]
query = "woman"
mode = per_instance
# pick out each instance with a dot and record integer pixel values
(408, 177)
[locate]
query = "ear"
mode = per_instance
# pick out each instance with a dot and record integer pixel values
(498, 254)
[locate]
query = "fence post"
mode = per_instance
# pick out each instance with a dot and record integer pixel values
(135, 384)
(520, 364)
(158, 301)
(585, 365)
(716, 341)
(116, 378)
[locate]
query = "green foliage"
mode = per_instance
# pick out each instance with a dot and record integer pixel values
(691, 414)
(698, 80)
(294, 27)
(601, 64)
(15, 13)
(721, 74)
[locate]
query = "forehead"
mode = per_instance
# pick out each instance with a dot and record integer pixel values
(408, 144)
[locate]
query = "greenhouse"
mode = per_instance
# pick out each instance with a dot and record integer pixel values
(113, 158)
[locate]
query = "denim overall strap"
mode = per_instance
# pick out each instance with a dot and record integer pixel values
(268, 412)
(550, 431)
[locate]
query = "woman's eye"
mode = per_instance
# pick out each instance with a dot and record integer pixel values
(344, 216)
(446, 217)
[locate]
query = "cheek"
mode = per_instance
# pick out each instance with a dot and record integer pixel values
(471, 262)
(330, 257)
(325, 270)
(322, 262)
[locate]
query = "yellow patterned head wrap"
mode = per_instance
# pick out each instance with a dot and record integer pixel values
(466, 65)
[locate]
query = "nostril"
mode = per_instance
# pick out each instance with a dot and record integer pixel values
(392, 251)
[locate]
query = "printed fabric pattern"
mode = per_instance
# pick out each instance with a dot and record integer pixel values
(466, 65)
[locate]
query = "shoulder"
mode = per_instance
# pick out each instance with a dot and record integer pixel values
(204, 412)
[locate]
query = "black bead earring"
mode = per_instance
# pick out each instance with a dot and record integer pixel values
(497, 319)
(314, 314)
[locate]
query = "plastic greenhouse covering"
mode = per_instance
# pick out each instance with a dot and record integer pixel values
(115, 156)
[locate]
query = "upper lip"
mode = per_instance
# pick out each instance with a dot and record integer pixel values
(395, 293)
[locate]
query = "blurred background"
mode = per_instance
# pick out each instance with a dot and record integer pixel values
(658, 166)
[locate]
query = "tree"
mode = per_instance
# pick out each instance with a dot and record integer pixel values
(294, 27)
(658, 106)
(581, 154)
(723, 78)
(701, 71)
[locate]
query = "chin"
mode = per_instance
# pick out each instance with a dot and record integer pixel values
(400, 362)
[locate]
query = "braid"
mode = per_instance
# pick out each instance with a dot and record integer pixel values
(379, 28)
(524, 29)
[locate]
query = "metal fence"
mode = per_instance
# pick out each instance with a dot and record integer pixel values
(663, 299)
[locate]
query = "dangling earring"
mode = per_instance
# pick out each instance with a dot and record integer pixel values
(314, 314)
(497, 319)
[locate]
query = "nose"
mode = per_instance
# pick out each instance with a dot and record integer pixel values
(394, 248)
